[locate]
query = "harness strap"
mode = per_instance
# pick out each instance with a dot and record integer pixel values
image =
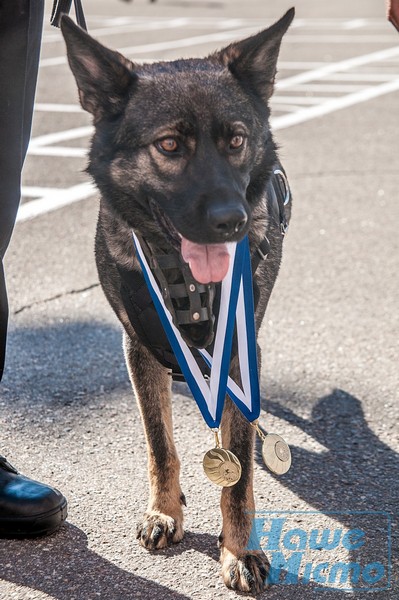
(63, 7)
(278, 195)
(188, 301)
(179, 290)
(145, 320)
(202, 299)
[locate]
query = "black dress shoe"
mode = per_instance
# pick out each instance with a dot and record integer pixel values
(28, 508)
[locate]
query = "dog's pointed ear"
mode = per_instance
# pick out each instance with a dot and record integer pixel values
(254, 59)
(103, 76)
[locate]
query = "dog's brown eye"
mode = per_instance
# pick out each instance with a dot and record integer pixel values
(168, 145)
(236, 142)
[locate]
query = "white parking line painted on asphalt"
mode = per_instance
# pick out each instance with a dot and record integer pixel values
(39, 146)
(325, 108)
(299, 99)
(336, 39)
(125, 28)
(63, 151)
(32, 191)
(342, 88)
(343, 65)
(53, 62)
(64, 108)
(60, 136)
(55, 199)
(285, 107)
(362, 76)
(355, 24)
(300, 65)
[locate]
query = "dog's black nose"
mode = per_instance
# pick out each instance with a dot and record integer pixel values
(226, 220)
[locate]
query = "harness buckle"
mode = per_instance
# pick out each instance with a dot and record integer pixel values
(264, 248)
(283, 228)
(262, 256)
(179, 377)
(287, 193)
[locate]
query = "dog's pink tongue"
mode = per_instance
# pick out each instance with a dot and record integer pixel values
(208, 262)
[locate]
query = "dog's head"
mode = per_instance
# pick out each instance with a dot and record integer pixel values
(182, 149)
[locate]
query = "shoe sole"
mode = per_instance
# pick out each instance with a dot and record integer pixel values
(44, 524)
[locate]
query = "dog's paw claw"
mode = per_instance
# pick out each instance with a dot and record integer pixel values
(247, 573)
(157, 531)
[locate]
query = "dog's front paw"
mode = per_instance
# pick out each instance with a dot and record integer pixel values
(245, 573)
(158, 530)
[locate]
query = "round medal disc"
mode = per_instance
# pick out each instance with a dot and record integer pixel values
(276, 454)
(222, 467)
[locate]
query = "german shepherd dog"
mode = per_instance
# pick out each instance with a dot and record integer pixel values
(182, 154)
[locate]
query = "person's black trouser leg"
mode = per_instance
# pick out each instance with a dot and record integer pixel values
(21, 23)
(27, 507)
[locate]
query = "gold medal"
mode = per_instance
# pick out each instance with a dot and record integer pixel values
(275, 452)
(222, 466)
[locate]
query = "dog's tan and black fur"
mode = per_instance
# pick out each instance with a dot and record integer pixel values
(183, 148)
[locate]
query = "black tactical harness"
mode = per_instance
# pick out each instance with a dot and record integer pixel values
(189, 302)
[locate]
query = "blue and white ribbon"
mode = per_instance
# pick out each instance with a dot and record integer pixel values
(236, 307)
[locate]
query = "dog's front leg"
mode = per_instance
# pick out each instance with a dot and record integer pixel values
(163, 522)
(244, 567)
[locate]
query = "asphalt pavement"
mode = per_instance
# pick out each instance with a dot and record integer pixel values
(330, 337)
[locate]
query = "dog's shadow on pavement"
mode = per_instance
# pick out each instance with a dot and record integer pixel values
(354, 473)
(67, 568)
